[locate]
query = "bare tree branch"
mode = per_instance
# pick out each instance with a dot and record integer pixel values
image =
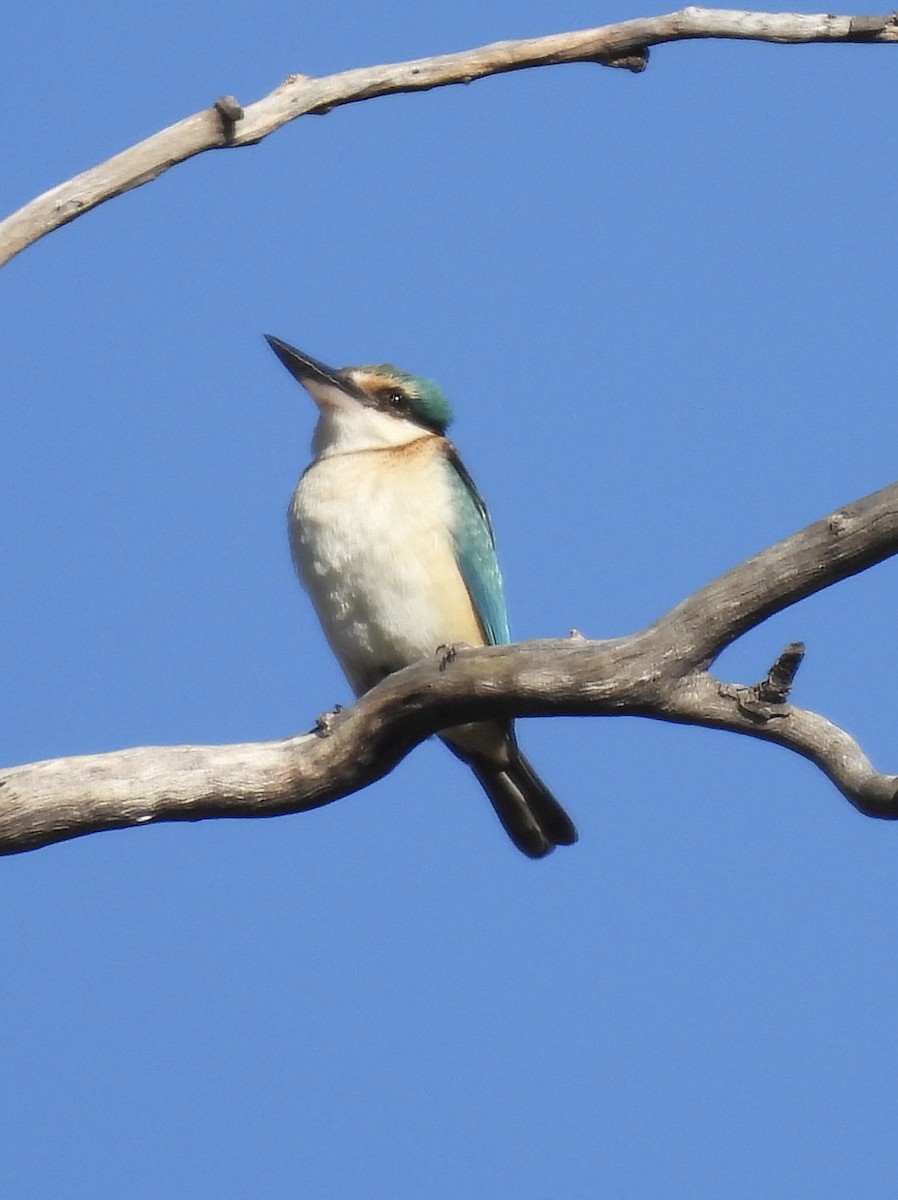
(226, 124)
(660, 672)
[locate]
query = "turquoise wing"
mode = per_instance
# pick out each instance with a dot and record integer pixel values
(475, 549)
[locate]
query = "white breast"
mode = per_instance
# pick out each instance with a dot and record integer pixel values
(371, 539)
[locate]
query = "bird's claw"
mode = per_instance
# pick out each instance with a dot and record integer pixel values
(324, 724)
(448, 654)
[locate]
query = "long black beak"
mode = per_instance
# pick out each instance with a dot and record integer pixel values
(306, 370)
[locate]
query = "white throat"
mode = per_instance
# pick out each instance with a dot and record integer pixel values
(347, 429)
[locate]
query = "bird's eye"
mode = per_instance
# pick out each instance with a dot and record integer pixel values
(396, 399)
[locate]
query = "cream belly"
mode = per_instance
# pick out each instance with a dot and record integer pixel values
(377, 562)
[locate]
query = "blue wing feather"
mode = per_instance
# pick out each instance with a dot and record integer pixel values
(475, 550)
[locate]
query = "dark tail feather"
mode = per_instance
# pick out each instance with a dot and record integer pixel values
(530, 814)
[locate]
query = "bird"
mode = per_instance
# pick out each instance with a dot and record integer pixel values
(394, 545)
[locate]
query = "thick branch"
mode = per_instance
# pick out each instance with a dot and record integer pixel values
(660, 672)
(226, 124)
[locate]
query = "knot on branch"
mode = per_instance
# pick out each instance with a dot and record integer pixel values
(230, 111)
(765, 700)
(868, 29)
(634, 60)
(778, 684)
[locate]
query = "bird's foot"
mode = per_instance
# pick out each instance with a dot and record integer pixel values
(324, 724)
(448, 654)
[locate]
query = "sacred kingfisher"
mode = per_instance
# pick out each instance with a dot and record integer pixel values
(394, 545)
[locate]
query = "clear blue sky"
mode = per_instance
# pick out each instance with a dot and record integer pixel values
(664, 307)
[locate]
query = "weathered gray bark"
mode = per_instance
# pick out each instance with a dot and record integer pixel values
(226, 124)
(660, 672)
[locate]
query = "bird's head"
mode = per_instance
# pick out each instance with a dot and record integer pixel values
(366, 408)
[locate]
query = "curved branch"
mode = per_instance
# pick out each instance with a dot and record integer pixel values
(226, 124)
(703, 700)
(660, 672)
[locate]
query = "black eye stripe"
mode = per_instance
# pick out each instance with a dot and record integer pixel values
(392, 398)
